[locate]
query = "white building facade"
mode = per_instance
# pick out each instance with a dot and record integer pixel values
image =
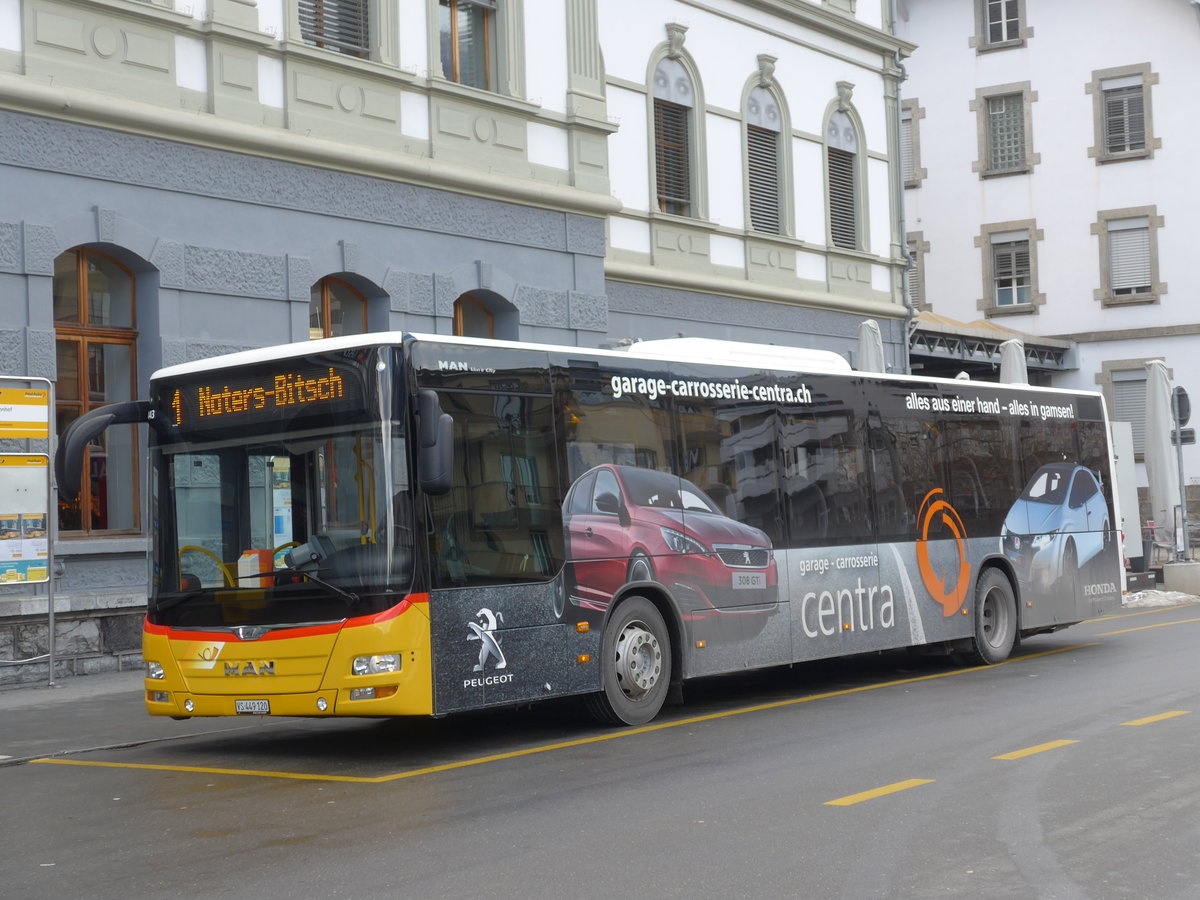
(1052, 184)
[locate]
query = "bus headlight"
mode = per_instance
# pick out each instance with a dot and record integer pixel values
(155, 670)
(377, 664)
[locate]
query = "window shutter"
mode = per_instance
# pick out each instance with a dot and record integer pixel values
(1129, 259)
(762, 153)
(340, 25)
(907, 163)
(915, 300)
(1011, 272)
(1129, 404)
(1124, 119)
(843, 221)
(671, 158)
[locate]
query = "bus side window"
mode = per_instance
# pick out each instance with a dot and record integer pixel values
(501, 520)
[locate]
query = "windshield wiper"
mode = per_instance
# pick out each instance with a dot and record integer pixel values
(350, 597)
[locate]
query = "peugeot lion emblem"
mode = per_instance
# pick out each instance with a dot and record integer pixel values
(484, 632)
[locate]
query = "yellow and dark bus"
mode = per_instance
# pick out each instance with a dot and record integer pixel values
(397, 524)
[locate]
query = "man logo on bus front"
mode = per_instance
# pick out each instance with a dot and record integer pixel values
(484, 632)
(950, 592)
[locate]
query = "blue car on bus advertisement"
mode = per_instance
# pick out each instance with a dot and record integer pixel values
(1057, 525)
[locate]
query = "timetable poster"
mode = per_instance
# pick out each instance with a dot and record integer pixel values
(24, 518)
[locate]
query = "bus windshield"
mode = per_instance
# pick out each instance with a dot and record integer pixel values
(282, 520)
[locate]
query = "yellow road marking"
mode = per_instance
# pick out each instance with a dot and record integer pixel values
(879, 792)
(1030, 751)
(1141, 612)
(1147, 627)
(563, 745)
(1159, 718)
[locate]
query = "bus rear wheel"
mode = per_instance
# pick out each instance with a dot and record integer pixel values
(995, 620)
(635, 665)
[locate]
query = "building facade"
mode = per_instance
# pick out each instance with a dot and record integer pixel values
(1050, 184)
(183, 179)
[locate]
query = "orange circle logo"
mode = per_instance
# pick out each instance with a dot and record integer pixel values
(948, 591)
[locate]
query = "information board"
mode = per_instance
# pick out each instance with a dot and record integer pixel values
(24, 518)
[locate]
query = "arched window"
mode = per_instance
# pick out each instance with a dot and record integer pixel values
(841, 154)
(95, 343)
(764, 123)
(472, 318)
(674, 99)
(335, 308)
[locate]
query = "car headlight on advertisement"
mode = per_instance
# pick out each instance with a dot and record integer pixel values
(155, 670)
(678, 542)
(1042, 541)
(377, 664)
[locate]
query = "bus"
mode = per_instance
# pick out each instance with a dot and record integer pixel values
(397, 524)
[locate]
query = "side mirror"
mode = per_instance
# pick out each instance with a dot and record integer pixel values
(73, 443)
(610, 503)
(435, 439)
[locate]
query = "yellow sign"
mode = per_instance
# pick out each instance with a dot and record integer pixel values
(25, 413)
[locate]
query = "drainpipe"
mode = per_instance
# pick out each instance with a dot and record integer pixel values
(910, 312)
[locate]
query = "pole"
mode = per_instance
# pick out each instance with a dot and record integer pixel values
(1186, 548)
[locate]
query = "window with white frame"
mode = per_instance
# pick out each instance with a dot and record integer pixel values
(1010, 268)
(674, 99)
(1012, 273)
(763, 126)
(1002, 20)
(999, 25)
(841, 157)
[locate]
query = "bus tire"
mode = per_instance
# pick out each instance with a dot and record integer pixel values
(635, 665)
(995, 620)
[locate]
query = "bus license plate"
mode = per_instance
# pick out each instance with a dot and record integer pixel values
(749, 580)
(252, 707)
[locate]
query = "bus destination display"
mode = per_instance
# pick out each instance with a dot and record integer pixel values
(261, 397)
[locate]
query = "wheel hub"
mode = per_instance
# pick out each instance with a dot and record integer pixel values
(639, 659)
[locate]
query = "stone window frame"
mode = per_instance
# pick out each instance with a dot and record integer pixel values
(1099, 150)
(979, 41)
(507, 34)
(764, 79)
(912, 112)
(984, 240)
(979, 106)
(859, 200)
(917, 248)
(673, 49)
(1104, 294)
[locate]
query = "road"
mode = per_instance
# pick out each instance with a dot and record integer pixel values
(1067, 772)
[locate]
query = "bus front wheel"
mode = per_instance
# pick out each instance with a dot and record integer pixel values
(635, 665)
(995, 620)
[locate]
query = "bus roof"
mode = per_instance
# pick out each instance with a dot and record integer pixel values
(682, 349)
(706, 351)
